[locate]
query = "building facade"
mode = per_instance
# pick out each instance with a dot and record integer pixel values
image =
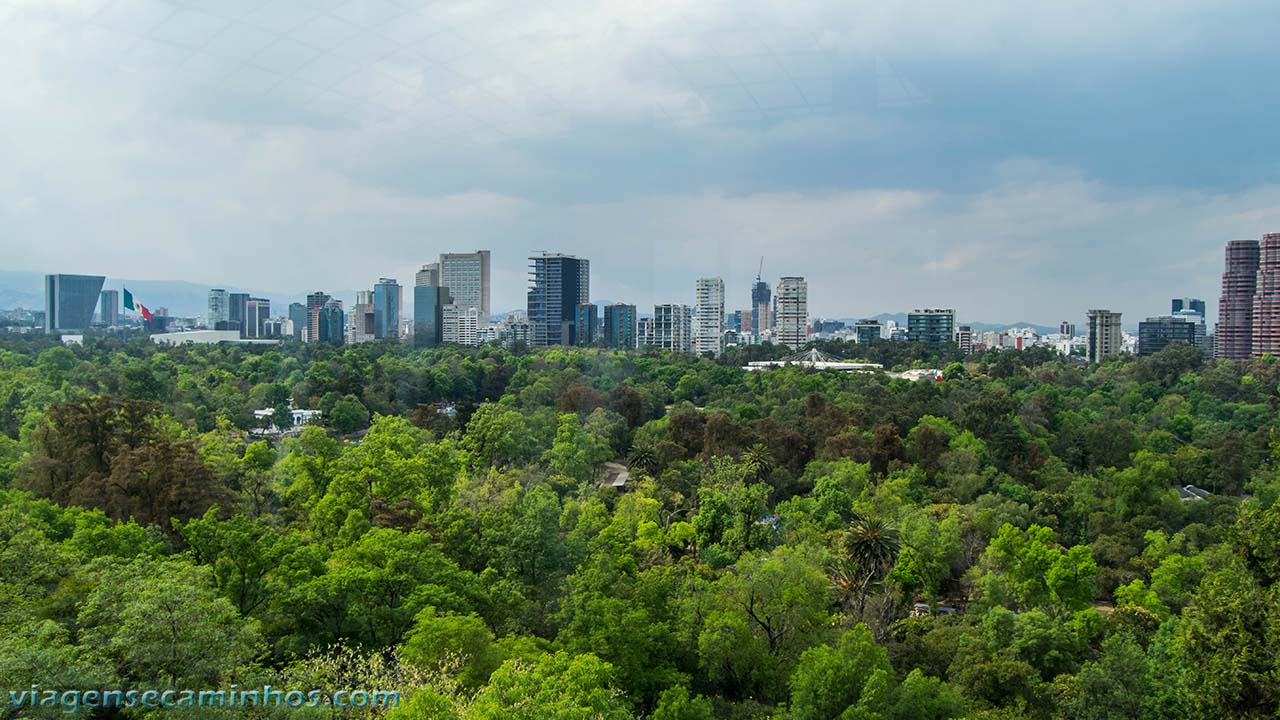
(298, 321)
(69, 301)
(467, 277)
(587, 320)
(1067, 329)
(429, 302)
(620, 326)
(866, 332)
(931, 325)
(1266, 299)
(237, 312)
(315, 306)
(761, 307)
(219, 308)
(1233, 337)
(1155, 333)
(362, 320)
(1103, 336)
(792, 323)
(1195, 305)
(428, 276)
(330, 323)
(387, 302)
(558, 284)
(708, 332)
(672, 328)
(256, 313)
(964, 338)
(462, 324)
(109, 308)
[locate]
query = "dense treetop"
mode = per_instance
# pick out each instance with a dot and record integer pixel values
(1008, 542)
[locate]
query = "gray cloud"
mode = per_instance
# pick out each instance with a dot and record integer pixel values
(1016, 164)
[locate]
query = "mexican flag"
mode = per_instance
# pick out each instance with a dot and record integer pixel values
(129, 305)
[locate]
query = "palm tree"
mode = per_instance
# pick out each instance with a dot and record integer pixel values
(867, 551)
(643, 457)
(759, 460)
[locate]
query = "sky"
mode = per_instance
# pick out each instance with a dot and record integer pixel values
(1014, 161)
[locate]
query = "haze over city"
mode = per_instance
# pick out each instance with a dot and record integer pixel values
(1002, 160)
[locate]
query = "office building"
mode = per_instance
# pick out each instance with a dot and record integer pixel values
(362, 320)
(315, 306)
(109, 308)
(1233, 337)
(1103, 337)
(69, 301)
(1067, 329)
(298, 321)
(219, 307)
(428, 276)
(1195, 305)
(620, 326)
(866, 332)
(791, 327)
(429, 303)
(931, 325)
(256, 313)
(467, 277)
(587, 320)
(964, 338)
(462, 324)
(1155, 333)
(708, 332)
(672, 328)
(761, 307)
(558, 284)
(330, 322)
(387, 301)
(1266, 298)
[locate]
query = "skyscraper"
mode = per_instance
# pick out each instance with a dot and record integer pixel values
(931, 325)
(298, 318)
(1266, 298)
(587, 320)
(467, 277)
(387, 301)
(256, 313)
(330, 323)
(1233, 337)
(620, 325)
(428, 315)
(237, 312)
(109, 308)
(672, 327)
(428, 276)
(792, 327)
(1104, 336)
(708, 334)
(461, 324)
(761, 308)
(1067, 328)
(558, 284)
(315, 304)
(362, 318)
(219, 308)
(69, 301)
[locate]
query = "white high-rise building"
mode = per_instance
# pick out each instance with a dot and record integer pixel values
(673, 327)
(467, 277)
(461, 325)
(792, 328)
(708, 333)
(1104, 336)
(218, 308)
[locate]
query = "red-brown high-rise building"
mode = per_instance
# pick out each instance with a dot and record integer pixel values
(1234, 336)
(1266, 298)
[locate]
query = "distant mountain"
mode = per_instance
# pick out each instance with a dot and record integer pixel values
(901, 319)
(182, 299)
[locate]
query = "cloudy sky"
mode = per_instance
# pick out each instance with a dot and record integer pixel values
(1014, 162)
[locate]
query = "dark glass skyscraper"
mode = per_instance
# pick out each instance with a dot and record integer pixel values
(69, 301)
(331, 323)
(428, 315)
(558, 284)
(386, 309)
(761, 307)
(238, 312)
(298, 316)
(1234, 335)
(587, 321)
